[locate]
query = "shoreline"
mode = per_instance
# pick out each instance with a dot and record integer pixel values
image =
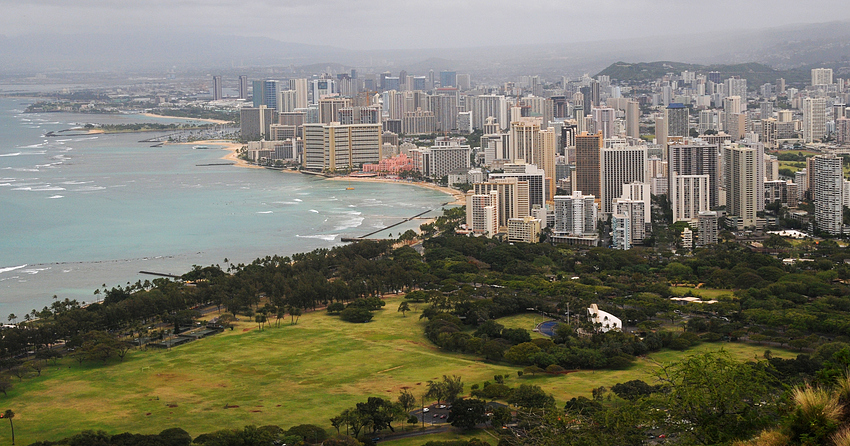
(211, 121)
(459, 198)
(231, 147)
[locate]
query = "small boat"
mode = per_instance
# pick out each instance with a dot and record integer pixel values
(201, 147)
(349, 188)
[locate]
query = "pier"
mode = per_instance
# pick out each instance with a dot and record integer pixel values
(366, 237)
(150, 273)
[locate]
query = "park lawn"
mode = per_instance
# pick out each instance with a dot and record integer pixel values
(794, 166)
(795, 152)
(527, 321)
(702, 292)
(294, 374)
(451, 435)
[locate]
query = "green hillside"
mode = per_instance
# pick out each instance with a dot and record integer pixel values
(755, 73)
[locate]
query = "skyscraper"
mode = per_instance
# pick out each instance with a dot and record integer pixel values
(216, 89)
(814, 119)
(821, 76)
(588, 152)
(603, 121)
(827, 194)
(300, 87)
(243, 87)
(618, 166)
(633, 119)
(742, 182)
(575, 214)
(677, 117)
(695, 159)
(448, 79)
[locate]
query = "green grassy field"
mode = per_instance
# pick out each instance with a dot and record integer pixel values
(305, 373)
(708, 293)
(526, 320)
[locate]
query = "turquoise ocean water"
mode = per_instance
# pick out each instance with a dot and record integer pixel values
(80, 211)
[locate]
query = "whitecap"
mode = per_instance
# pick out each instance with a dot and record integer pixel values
(349, 223)
(34, 271)
(326, 237)
(12, 268)
(296, 199)
(57, 196)
(76, 182)
(265, 212)
(11, 154)
(89, 188)
(315, 211)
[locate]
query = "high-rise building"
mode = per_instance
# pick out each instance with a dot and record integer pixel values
(618, 166)
(737, 87)
(270, 89)
(530, 173)
(512, 197)
(677, 117)
(707, 227)
(243, 87)
(320, 88)
(448, 79)
(744, 177)
(489, 105)
(827, 193)
(329, 108)
(337, 147)
(286, 101)
(482, 212)
(688, 195)
(661, 133)
(635, 210)
(575, 214)
(842, 130)
(694, 158)
(525, 140)
(524, 230)
(633, 119)
(255, 122)
(621, 230)
(301, 92)
(814, 119)
(588, 153)
(216, 88)
(444, 157)
(821, 76)
(603, 121)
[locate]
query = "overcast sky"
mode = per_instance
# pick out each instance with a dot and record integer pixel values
(387, 24)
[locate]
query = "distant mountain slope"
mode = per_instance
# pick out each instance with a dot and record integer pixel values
(755, 73)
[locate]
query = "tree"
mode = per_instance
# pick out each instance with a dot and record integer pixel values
(632, 390)
(453, 388)
(9, 415)
(711, 398)
(5, 386)
(467, 413)
(501, 416)
(404, 307)
(407, 400)
(528, 396)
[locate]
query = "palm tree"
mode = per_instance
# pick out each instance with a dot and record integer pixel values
(9, 414)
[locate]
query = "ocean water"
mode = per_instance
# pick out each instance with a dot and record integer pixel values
(77, 212)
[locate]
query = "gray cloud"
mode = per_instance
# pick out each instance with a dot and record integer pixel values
(383, 24)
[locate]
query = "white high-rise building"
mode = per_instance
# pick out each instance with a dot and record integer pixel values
(814, 119)
(827, 193)
(533, 175)
(635, 211)
(512, 197)
(337, 147)
(489, 105)
(575, 214)
(689, 195)
(301, 90)
(603, 121)
(737, 87)
(618, 166)
(482, 213)
(707, 227)
(821, 76)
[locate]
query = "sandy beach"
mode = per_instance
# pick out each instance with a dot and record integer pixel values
(459, 197)
(231, 147)
(211, 121)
